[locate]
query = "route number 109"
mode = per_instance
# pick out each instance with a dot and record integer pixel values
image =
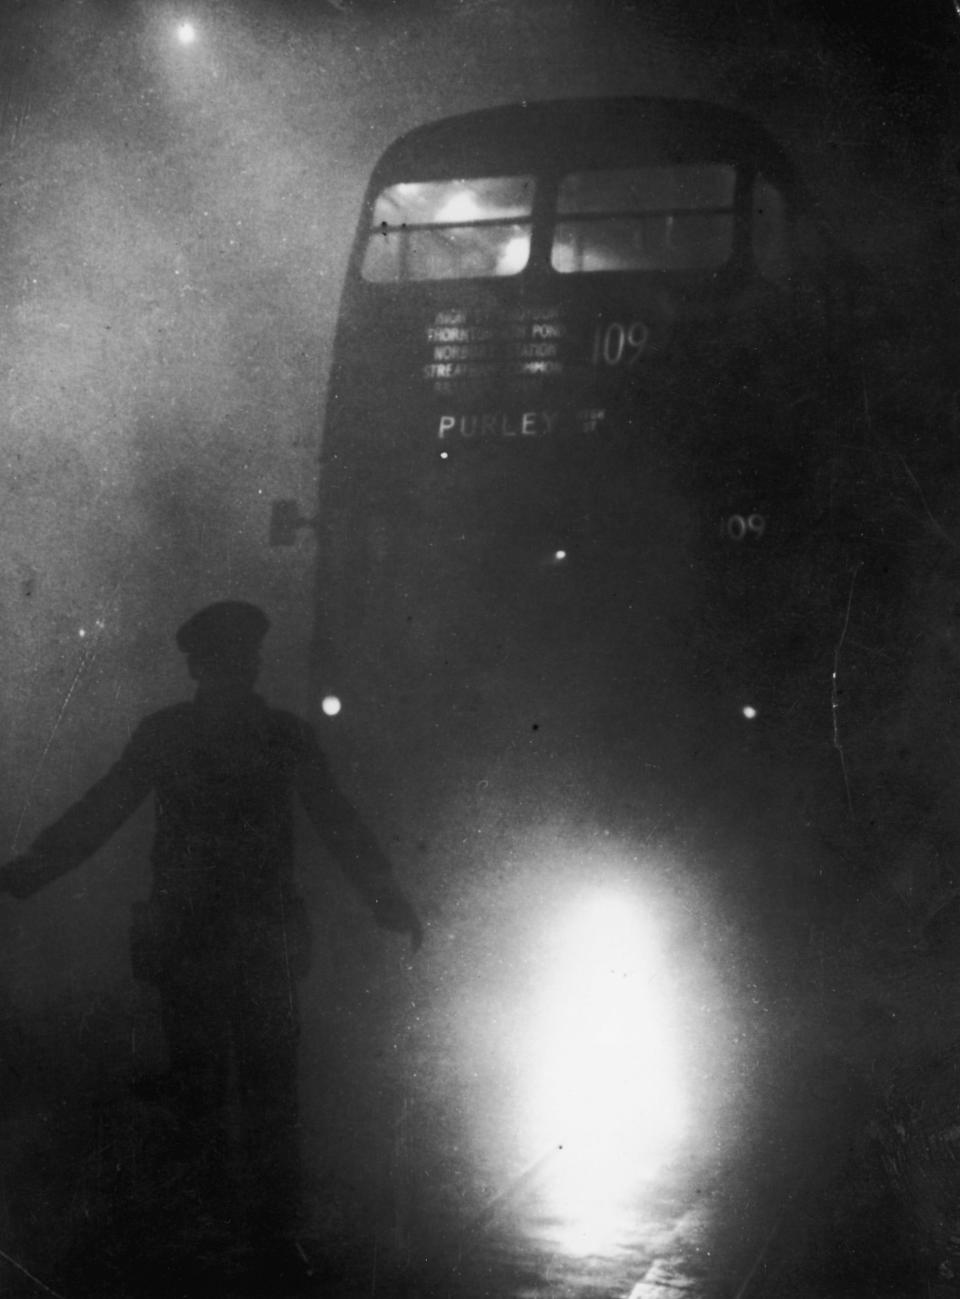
(738, 527)
(618, 343)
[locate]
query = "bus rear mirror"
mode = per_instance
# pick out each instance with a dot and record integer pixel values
(285, 522)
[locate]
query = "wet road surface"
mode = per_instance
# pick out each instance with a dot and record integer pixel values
(760, 1220)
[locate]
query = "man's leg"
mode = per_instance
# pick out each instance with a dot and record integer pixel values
(196, 1024)
(266, 1035)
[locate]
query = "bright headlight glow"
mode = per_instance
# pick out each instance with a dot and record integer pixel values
(604, 1089)
(186, 33)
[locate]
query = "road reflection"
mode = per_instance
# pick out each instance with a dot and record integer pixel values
(661, 1242)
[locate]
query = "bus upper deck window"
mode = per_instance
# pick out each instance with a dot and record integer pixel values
(450, 230)
(769, 234)
(676, 218)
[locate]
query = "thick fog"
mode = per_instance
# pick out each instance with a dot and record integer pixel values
(176, 216)
(176, 220)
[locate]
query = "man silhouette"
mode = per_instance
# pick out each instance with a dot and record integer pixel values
(223, 933)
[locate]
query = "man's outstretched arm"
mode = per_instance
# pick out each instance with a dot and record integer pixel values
(354, 846)
(89, 823)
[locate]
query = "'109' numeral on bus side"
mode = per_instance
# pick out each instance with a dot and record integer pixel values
(620, 344)
(738, 527)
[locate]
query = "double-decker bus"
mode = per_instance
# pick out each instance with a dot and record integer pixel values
(604, 554)
(585, 485)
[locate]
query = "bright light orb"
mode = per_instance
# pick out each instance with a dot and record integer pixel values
(749, 712)
(186, 33)
(331, 705)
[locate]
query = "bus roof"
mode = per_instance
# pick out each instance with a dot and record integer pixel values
(581, 133)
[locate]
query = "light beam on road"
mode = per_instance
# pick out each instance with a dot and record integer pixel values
(603, 1082)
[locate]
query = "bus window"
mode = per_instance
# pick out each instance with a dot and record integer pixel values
(645, 219)
(769, 238)
(450, 230)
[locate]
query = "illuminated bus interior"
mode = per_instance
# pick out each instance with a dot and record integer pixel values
(677, 218)
(645, 219)
(451, 230)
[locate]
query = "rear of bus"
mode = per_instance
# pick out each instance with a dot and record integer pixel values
(578, 477)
